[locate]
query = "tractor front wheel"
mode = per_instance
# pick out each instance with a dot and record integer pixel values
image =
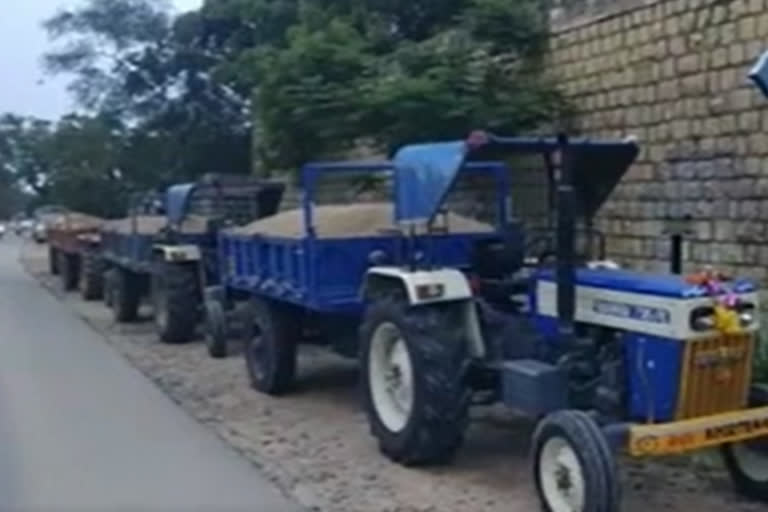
(53, 260)
(69, 270)
(125, 295)
(216, 329)
(747, 463)
(271, 337)
(413, 362)
(573, 466)
(176, 299)
(91, 276)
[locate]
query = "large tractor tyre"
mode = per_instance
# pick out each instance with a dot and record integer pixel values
(53, 260)
(176, 301)
(91, 276)
(573, 466)
(69, 270)
(125, 295)
(747, 463)
(416, 397)
(216, 331)
(271, 337)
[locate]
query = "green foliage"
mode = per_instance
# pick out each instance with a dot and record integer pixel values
(392, 72)
(165, 99)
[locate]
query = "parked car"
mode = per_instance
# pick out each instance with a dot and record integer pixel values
(2, 229)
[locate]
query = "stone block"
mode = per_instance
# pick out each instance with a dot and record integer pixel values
(736, 54)
(749, 121)
(719, 14)
(747, 28)
(762, 25)
(702, 230)
(723, 230)
(710, 189)
(728, 33)
(688, 64)
(677, 46)
(740, 99)
(737, 8)
(756, 6)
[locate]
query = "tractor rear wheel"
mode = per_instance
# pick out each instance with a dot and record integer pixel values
(125, 295)
(747, 463)
(176, 300)
(91, 276)
(53, 260)
(69, 270)
(413, 362)
(573, 466)
(271, 337)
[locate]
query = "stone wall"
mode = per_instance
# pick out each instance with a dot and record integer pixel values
(673, 74)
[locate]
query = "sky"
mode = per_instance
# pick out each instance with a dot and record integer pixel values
(24, 88)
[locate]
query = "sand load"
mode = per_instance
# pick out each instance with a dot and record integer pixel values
(348, 221)
(73, 221)
(152, 224)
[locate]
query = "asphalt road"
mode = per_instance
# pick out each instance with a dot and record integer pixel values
(81, 430)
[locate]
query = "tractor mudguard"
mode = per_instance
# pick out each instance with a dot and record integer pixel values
(425, 287)
(178, 253)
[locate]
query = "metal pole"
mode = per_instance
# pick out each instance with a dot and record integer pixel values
(566, 225)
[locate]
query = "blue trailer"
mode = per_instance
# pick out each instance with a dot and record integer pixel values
(604, 359)
(166, 248)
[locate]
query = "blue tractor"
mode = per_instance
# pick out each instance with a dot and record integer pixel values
(604, 359)
(166, 248)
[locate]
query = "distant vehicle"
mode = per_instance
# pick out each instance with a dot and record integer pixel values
(2, 229)
(39, 232)
(25, 226)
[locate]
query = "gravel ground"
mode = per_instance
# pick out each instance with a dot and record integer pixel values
(316, 447)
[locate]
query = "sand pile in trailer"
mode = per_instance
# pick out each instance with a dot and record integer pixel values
(347, 221)
(73, 221)
(151, 224)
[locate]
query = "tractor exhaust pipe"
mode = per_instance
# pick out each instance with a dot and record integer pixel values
(566, 227)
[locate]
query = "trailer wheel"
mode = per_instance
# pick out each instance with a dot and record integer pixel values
(110, 278)
(216, 329)
(69, 270)
(573, 467)
(53, 260)
(91, 276)
(415, 393)
(176, 300)
(126, 295)
(271, 337)
(747, 463)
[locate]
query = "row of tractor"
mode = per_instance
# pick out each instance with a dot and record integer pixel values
(445, 313)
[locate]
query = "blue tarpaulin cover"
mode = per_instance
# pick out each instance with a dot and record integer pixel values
(176, 201)
(759, 73)
(424, 173)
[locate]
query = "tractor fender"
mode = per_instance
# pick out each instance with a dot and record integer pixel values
(429, 287)
(178, 253)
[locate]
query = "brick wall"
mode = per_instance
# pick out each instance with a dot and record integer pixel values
(673, 73)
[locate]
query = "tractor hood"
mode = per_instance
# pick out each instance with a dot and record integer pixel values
(425, 173)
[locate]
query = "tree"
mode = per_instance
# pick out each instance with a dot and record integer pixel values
(134, 62)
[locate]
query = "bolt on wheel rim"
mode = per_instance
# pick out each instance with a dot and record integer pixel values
(561, 476)
(390, 377)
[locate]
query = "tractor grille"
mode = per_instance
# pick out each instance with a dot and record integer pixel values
(716, 375)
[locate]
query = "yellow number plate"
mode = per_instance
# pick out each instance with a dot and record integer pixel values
(689, 435)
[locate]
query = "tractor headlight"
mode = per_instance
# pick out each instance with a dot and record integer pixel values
(747, 318)
(703, 318)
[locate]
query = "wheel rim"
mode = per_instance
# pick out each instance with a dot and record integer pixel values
(561, 476)
(390, 377)
(752, 459)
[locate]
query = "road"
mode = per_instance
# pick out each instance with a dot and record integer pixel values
(81, 430)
